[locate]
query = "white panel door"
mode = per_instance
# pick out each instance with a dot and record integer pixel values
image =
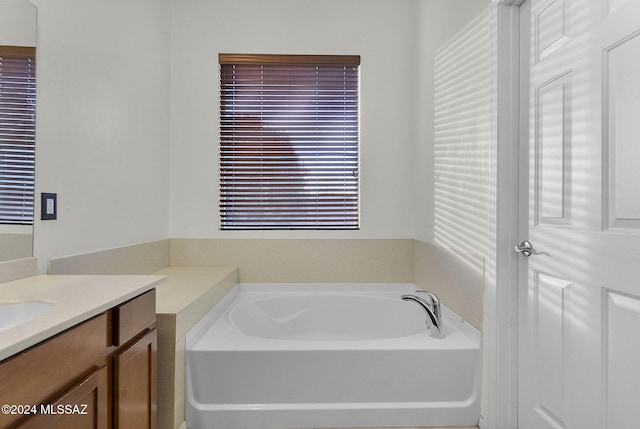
(579, 302)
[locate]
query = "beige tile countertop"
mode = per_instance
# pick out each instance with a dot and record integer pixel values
(74, 300)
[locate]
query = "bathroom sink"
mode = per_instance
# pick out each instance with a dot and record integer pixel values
(16, 313)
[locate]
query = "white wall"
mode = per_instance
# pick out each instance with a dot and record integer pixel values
(127, 124)
(439, 21)
(383, 32)
(102, 123)
(18, 20)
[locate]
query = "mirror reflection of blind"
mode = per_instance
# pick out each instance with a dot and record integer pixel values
(289, 142)
(463, 143)
(17, 134)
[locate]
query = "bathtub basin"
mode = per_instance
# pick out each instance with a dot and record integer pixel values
(329, 355)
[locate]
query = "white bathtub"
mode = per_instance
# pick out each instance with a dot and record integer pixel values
(329, 355)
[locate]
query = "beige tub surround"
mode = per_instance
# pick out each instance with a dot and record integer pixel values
(74, 299)
(143, 258)
(459, 285)
(301, 260)
(186, 296)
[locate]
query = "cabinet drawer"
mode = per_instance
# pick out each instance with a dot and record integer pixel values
(133, 317)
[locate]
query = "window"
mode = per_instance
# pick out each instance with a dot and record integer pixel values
(289, 142)
(17, 134)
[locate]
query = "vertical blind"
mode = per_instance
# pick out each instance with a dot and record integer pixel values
(289, 141)
(17, 134)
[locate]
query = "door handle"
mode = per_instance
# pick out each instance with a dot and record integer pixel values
(526, 249)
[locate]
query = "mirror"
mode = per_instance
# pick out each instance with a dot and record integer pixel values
(18, 27)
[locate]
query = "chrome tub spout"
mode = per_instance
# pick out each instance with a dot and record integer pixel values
(431, 306)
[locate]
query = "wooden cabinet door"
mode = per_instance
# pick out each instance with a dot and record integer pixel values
(135, 384)
(48, 369)
(85, 406)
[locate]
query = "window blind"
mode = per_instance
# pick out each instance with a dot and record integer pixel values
(17, 134)
(289, 142)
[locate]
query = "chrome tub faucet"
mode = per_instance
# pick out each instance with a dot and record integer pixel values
(431, 306)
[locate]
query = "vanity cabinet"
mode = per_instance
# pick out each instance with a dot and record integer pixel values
(99, 374)
(134, 364)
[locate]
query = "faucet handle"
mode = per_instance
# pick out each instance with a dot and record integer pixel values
(434, 298)
(434, 301)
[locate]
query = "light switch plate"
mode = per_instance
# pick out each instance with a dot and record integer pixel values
(48, 206)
